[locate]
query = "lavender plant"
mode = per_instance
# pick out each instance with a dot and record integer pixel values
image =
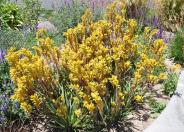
(145, 12)
(9, 110)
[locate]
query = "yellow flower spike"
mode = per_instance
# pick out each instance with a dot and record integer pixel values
(90, 106)
(114, 80)
(132, 23)
(176, 68)
(41, 32)
(76, 100)
(139, 98)
(152, 78)
(81, 94)
(126, 38)
(162, 76)
(98, 100)
(146, 31)
(113, 104)
(121, 95)
(86, 18)
(123, 103)
(26, 107)
(11, 50)
(49, 42)
(78, 112)
(12, 56)
(85, 103)
(137, 76)
(127, 64)
(36, 100)
(13, 74)
(61, 111)
(153, 32)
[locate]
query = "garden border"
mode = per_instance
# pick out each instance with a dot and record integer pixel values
(172, 118)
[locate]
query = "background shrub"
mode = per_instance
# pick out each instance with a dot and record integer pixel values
(169, 85)
(31, 10)
(63, 18)
(18, 39)
(10, 16)
(16, 22)
(157, 107)
(177, 47)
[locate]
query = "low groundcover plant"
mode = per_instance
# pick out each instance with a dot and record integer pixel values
(93, 78)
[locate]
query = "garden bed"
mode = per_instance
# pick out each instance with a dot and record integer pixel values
(84, 67)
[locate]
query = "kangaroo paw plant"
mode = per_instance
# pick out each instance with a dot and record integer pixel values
(94, 78)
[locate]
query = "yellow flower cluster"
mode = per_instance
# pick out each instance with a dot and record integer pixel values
(175, 68)
(35, 100)
(152, 58)
(99, 59)
(26, 107)
(33, 73)
(139, 98)
(90, 52)
(78, 112)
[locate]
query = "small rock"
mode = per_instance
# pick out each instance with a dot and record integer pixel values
(48, 26)
(167, 36)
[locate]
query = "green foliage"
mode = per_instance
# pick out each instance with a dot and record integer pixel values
(98, 14)
(16, 39)
(70, 122)
(10, 16)
(66, 17)
(10, 38)
(169, 85)
(156, 107)
(2, 1)
(177, 47)
(31, 11)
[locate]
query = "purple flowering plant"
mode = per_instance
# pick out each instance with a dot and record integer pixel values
(145, 15)
(9, 110)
